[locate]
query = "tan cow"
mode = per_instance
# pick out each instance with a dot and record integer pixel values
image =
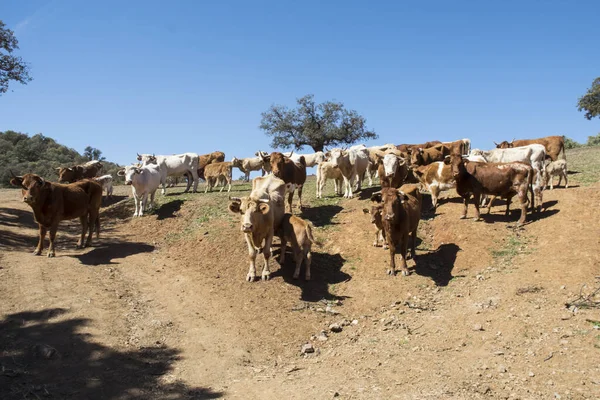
(77, 172)
(293, 174)
(556, 168)
(218, 172)
(298, 232)
(377, 220)
(326, 170)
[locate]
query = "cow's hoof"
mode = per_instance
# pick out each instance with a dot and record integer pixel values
(296, 276)
(386, 247)
(37, 252)
(477, 219)
(79, 246)
(463, 217)
(250, 277)
(266, 276)
(405, 273)
(375, 244)
(391, 272)
(307, 277)
(50, 254)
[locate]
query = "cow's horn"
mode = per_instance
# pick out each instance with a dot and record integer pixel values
(292, 152)
(235, 199)
(12, 173)
(495, 143)
(263, 200)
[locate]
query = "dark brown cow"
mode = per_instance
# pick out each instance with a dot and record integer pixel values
(401, 215)
(54, 202)
(423, 156)
(497, 179)
(407, 148)
(555, 145)
(294, 175)
(78, 172)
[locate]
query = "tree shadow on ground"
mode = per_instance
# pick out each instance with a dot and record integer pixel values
(437, 264)
(106, 252)
(45, 355)
(169, 209)
(107, 202)
(321, 215)
(325, 270)
(16, 241)
(366, 193)
(17, 218)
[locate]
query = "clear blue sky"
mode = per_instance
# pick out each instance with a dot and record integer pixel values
(170, 77)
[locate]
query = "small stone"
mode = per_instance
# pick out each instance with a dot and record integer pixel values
(477, 327)
(557, 396)
(322, 336)
(480, 277)
(336, 328)
(330, 310)
(499, 353)
(549, 382)
(308, 348)
(502, 369)
(531, 374)
(354, 322)
(563, 287)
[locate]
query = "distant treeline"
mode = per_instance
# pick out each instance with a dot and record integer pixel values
(41, 155)
(592, 141)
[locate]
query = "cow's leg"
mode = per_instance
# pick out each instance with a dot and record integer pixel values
(93, 221)
(207, 185)
(377, 233)
(508, 201)
(435, 192)
(298, 253)
(84, 223)
(359, 180)
(300, 195)
(40, 245)
(413, 252)
(465, 205)
(266, 274)
(384, 238)
(403, 251)
(392, 269)
(523, 200)
(163, 182)
(490, 203)
(566, 180)
(152, 199)
(476, 200)
(289, 200)
(143, 200)
(195, 179)
(282, 249)
(136, 200)
(307, 263)
(53, 230)
(252, 252)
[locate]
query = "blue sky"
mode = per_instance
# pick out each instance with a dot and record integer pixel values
(170, 77)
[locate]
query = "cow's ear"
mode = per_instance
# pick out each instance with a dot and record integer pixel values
(420, 150)
(376, 197)
(70, 169)
(264, 208)
(17, 181)
(234, 205)
(447, 160)
(138, 170)
(121, 172)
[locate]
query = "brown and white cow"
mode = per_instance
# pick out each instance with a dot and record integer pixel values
(435, 177)
(293, 174)
(556, 168)
(54, 202)
(298, 233)
(216, 172)
(262, 212)
(555, 145)
(326, 170)
(78, 172)
(392, 170)
(401, 215)
(422, 156)
(497, 179)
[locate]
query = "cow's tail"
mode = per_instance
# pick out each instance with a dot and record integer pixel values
(530, 176)
(310, 236)
(97, 226)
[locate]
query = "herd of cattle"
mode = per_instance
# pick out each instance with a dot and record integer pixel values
(521, 168)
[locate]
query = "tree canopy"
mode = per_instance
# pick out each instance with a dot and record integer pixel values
(314, 125)
(12, 68)
(40, 155)
(590, 102)
(91, 153)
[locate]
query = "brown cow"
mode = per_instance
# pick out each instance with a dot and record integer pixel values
(293, 174)
(298, 232)
(423, 156)
(401, 215)
(555, 145)
(206, 159)
(78, 172)
(377, 220)
(408, 148)
(497, 179)
(54, 202)
(216, 172)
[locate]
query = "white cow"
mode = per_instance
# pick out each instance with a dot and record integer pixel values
(311, 159)
(556, 168)
(107, 183)
(353, 164)
(144, 181)
(246, 165)
(175, 165)
(326, 170)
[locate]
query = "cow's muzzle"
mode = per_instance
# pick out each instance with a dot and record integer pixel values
(246, 228)
(128, 183)
(28, 199)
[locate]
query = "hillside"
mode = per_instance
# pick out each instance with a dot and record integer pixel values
(38, 154)
(159, 306)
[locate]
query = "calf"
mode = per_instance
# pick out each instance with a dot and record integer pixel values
(78, 172)
(205, 159)
(144, 181)
(293, 174)
(497, 179)
(107, 184)
(353, 165)
(217, 172)
(377, 220)
(556, 168)
(246, 165)
(554, 145)
(423, 156)
(298, 232)
(326, 170)
(54, 202)
(435, 177)
(401, 215)
(262, 212)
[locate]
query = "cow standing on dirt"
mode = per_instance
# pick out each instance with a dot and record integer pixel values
(175, 165)
(54, 202)
(497, 179)
(262, 212)
(556, 168)
(298, 233)
(427, 156)
(401, 214)
(326, 170)
(218, 172)
(293, 174)
(353, 164)
(392, 170)
(78, 172)
(377, 220)
(144, 182)
(247, 165)
(107, 184)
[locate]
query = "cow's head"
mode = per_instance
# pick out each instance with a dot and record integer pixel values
(319, 157)
(129, 172)
(375, 212)
(416, 156)
(66, 175)
(504, 144)
(250, 209)
(236, 162)
(277, 161)
(391, 163)
(392, 199)
(32, 187)
(457, 164)
(336, 156)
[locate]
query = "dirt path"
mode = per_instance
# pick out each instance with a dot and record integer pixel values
(157, 311)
